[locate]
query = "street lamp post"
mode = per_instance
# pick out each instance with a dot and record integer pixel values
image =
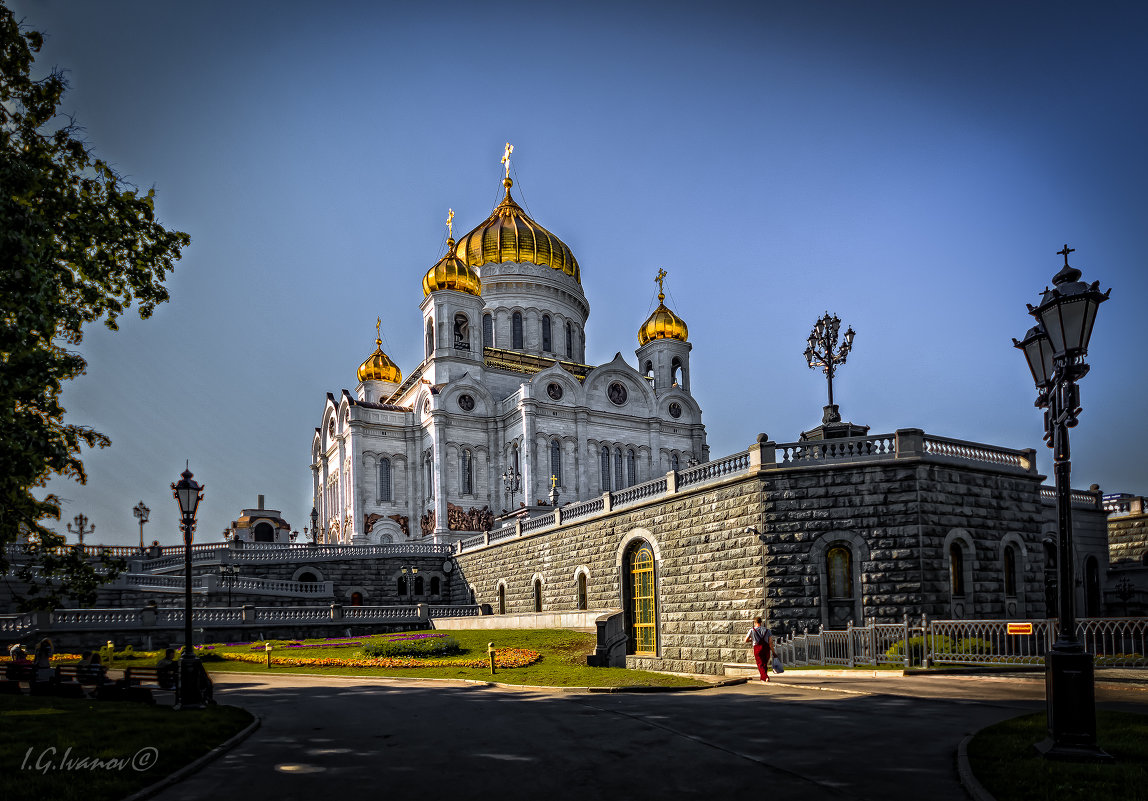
(409, 574)
(80, 531)
(822, 350)
(141, 512)
(188, 493)
(1055, 349)
(512, 480)
(230, 573)
(314, 526)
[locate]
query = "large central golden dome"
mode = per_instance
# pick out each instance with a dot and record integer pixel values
(509, 235)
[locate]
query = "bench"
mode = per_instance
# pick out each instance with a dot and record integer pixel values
(14, 674)
(159, 678)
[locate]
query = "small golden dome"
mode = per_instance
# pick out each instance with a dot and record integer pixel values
(451, 272)
(663, 323)
(510, 235)
(379, 367)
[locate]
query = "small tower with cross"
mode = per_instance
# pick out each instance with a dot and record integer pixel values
(664, 350)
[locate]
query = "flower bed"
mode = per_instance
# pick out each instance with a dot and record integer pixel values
(503, 658)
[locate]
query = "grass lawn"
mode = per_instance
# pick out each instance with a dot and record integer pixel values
(30, 728)
(563, 662)
(1004, 761)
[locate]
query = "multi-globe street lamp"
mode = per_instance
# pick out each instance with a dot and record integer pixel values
(1055, 349)
(141, 512)
(189, 692)
(82, 528)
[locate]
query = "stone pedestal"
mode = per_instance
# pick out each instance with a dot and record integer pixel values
(832, 427)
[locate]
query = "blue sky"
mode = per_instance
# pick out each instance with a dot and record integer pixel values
(911, 167)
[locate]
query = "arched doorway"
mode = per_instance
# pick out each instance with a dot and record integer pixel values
(502, 599)
(641, 606)
(264, 532)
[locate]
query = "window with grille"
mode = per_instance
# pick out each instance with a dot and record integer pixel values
(385, 481)
(487, 331)
(605, 469)
(546, 343)
(643, 612)
(516, 330)
(556, 460)
(631, 468)
(569, 341)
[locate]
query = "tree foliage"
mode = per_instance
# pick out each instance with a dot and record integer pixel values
(77, 244)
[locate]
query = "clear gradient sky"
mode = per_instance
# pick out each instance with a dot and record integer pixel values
(912, 167)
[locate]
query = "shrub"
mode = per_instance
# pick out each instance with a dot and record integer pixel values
(937, 642)
(974, 645)
(439, 645)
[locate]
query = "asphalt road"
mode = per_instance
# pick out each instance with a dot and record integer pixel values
(808, 737)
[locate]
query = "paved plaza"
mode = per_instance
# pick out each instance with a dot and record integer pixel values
(804, 736)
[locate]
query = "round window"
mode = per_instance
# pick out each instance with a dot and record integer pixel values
(466, 403)
(554, 390)
(616, 392)
(675, 410)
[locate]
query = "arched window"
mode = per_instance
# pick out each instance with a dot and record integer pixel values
(473, 598)
(618, 468)
(631, 468)
(401, 588)
(356, 599)
(556, 460)
(546, 338)
(839, 571)
(583, 595)
(430, 476)
(264, 532)
(604, 469)
(461, 332)
(676, 371)
(502, 599)
(487, 331)
(569, 340)
(516, 331)
(385, 481)
(307, 578)
(1010, 581)
(956, 570)
(435, 585)
(1091, 587)
(537, 595)
(430, 338)
(418, 585)
(648, 370)
(641, 608)
(466, 472)
(674, 462)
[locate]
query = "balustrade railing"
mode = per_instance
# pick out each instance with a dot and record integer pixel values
(977, 452)
(536, 523)
(583, 508)
(638, 492)
(505, 532)
(713, 471)
(850, 449)
(1081, 499)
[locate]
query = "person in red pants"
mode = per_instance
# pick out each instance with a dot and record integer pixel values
(762, 641)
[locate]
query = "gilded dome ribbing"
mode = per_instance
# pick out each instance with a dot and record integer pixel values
(451, 272)
(663, 324)
(379, 367)
(510, 235)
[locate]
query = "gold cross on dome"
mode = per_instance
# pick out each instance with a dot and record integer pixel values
(506, 157)
(553, 482)
(450, 223)
(661, 276)
(378, 332)
(1065, 253)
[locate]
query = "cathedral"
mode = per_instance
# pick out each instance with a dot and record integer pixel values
(502, 417)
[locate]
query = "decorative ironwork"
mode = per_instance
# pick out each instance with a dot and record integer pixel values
(822, 350)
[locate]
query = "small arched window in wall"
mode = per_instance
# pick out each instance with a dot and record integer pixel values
(537, 595)
(604, 468)
(418, 585)
(956, 570)
(569, 340)
(676, 372)
(356, 599)
(839, 569)
(674, 464)
(648, 371)
(516, 331)
(502, 599)
(466, 472)
(556, 460)
(430, 338)
(546, 334)
(583, 595)
(631, 468)
(618, 468)
(307, 578)
(435, 585)
(487, 331)
(401, 587)
(1010, 572)
(385, 481)
(640, 602)
(461, 332)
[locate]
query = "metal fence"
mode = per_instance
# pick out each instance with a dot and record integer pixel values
(1113, 642)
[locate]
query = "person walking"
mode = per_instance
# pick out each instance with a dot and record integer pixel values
(762, 641)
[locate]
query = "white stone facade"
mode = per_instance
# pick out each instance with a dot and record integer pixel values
(502, 388)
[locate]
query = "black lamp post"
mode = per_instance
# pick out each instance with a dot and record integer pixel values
(141, 512)
(314, 526)
(189, 694)
(822, 350)
(1055, 349)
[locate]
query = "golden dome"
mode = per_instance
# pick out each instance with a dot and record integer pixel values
(451, 272)
(509, 235)
(379, 367)
(663, 323)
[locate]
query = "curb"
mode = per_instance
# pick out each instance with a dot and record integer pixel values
(191, 767)
(973, 787)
